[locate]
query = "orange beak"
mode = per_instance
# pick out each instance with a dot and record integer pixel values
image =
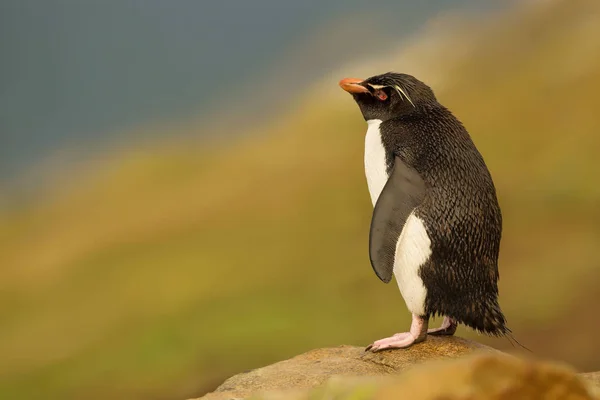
(353, 85)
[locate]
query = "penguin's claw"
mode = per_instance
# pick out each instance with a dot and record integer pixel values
(398, 341)
(448, 328)
(417, 334)
(377, 344)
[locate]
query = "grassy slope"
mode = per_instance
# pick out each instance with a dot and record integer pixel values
(174, 269)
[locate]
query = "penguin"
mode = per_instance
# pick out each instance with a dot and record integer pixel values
(436, 223)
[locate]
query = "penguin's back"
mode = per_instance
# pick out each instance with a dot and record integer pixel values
(461, 216)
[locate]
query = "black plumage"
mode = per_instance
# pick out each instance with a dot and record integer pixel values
(445, 182)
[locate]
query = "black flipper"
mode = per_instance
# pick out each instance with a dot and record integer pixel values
(404, 190)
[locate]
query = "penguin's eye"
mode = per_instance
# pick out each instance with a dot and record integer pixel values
(380, 94)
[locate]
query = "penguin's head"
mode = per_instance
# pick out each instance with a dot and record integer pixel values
(389, 95)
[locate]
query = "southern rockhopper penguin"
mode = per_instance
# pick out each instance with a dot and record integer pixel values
(436, 222)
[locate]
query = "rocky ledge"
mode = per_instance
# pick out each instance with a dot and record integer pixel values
(440, 368)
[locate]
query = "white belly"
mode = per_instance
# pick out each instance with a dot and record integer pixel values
(375, 170)
(413, 248)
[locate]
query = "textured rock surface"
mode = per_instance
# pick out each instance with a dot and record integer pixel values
(493, 376)
(315, 367)
(488, 376)
(455, 369)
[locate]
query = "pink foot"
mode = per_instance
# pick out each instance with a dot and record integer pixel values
(391, 339)
(447, 329)
(404, 341)
(417, 334)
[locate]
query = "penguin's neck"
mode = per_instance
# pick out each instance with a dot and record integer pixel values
(375, 160)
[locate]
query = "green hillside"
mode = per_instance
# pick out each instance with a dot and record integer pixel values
(168, 270)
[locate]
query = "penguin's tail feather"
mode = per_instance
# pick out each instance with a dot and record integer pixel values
(511, 338)
(494, 323)
(487, 318)
(483, 315)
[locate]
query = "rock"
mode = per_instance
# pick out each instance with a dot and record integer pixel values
(491, 376)
(315, 367)
(594, 379)
(440, 368)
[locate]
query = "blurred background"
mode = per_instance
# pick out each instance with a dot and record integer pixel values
(182, 193)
